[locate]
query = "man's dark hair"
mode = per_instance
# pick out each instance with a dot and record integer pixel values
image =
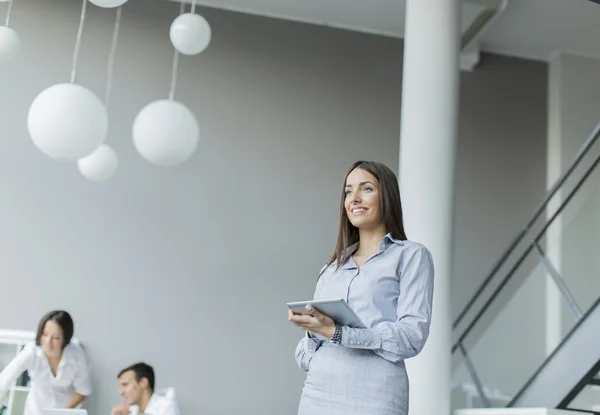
(141, 370)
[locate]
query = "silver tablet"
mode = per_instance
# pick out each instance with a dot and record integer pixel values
(336, 308)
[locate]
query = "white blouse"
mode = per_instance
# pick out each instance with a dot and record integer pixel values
(47, 390)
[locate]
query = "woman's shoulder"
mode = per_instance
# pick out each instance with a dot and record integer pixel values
(328, 269)
(409, 249)
(32, 353)
(414, 246)
(325, 273)
(75, 352)
(31, 349)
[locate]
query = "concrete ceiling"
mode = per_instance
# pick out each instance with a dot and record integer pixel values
(532, 29)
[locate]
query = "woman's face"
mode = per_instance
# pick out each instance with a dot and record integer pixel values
(362, 200)
(52, 339)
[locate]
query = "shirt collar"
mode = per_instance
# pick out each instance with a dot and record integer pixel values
(66, 355)
(151, 402)
(156, 402)
(384, 244)
(387, 241)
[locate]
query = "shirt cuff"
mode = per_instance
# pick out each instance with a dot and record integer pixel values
(361, 338)
(311, 343)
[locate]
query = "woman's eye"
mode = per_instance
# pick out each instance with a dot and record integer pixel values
(367, 189)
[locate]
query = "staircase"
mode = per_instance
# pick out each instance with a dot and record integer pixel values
(564, 378)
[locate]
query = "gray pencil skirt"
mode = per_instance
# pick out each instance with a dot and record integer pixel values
(344, 381)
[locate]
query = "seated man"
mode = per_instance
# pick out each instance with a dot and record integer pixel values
(136, 385)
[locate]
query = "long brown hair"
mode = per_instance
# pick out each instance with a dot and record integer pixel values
(391, 210)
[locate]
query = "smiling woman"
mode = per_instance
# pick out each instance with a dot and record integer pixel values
(56, 364)
(388, 281)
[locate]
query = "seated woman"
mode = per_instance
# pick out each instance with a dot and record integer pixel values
(56, 365)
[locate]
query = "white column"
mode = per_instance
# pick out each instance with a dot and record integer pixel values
(427, 156)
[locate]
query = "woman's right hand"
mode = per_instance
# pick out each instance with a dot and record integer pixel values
(291, 315)
(313, 321)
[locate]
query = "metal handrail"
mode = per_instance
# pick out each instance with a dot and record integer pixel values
(591, 140)
(526, 252)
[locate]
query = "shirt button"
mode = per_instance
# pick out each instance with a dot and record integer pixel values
(351, 341)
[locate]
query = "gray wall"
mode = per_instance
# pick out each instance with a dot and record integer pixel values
(189, 268)
(501, 173)
(500, 163)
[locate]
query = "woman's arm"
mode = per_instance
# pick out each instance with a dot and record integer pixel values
(82, 382)
(306, 349)
(76, 400)
(404, 338)
(309, 344)
(15, 368)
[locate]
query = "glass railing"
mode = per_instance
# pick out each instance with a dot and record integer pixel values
(588, 399)
(535, 294)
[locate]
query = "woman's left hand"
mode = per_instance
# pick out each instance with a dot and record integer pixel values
(313, 321)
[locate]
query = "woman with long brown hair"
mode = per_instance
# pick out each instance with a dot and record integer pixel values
(388, 281)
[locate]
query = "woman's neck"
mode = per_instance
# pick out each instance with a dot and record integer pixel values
(55, 358)
(369, 240)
